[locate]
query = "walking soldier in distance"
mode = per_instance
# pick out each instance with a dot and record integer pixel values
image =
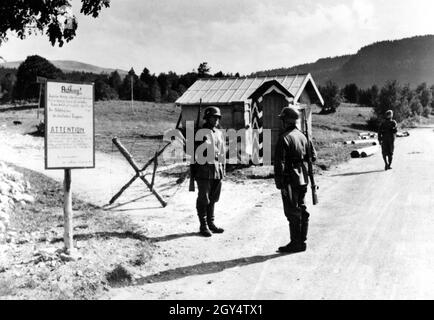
(209, 171)
(386, 137)
(291, 177)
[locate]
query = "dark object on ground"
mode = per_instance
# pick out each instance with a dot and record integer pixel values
(119, 276)
(403, 134)
(154, 137)
(16, 122)
(40, 130)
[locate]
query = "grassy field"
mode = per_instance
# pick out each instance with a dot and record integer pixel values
(132, 124)
(113, 118)
(331, 130)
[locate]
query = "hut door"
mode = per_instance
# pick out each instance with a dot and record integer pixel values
(272, 104)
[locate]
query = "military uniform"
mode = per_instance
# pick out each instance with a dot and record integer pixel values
(291, 177)
(208, 177)
(386, 137)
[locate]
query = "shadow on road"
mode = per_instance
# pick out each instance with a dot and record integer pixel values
(127, 235)
(355, 173)
(202, 268)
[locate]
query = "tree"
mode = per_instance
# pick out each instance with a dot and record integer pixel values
(425, 94)
(203, 70)
(7, 85)
(55, 18)
(156, 91)
(146, 76)
(188, 79)
(331, 95)
(219, 75)
(407, 93)
(351, 93)
(125, 89)
(26, 86)
(374, 96)
(427, 111)
(103, 91)
(416, 106)
(164, 85)
(115, 80)
(391, 97)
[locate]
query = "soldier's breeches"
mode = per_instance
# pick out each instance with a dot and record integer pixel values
(209, 191)
(293, 202)
(387, 148)
(295, 211)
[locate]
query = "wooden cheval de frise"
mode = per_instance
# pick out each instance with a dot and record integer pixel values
(139, 172)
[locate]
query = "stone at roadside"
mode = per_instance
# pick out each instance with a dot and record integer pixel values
(4, 188)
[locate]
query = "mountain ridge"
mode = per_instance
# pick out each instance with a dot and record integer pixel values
(407, 60)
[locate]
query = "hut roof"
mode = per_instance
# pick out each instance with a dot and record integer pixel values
(229, 90)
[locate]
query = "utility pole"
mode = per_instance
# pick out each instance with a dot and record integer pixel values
(132, 95)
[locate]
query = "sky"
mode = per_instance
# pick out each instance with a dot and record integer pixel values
(231, 35)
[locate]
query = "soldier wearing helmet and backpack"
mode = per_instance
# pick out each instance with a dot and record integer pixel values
(291, 177)
(209, 174)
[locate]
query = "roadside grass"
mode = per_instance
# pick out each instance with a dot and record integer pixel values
(104, 241)
(112, 118)
(131, 124)
(331, 130)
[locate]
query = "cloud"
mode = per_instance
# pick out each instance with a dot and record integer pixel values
(242, 35)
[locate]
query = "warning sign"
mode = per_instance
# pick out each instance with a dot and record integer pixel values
(69, 125)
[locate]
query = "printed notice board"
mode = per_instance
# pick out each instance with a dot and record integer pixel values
(69, 125)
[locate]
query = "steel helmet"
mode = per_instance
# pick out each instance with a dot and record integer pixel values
(289, 112)
(212, 111)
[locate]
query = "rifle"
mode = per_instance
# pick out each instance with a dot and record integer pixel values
(192, 165)
(313, 186)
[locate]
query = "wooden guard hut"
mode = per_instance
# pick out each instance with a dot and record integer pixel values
(252, 103)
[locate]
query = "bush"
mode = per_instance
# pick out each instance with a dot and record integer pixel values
(416, 107)
(331, 95)
(427, 111)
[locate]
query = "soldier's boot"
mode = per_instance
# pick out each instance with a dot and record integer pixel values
(390, 161)
(304, 227)
(296, 245)
(210, 220)
(386, 164)
(201, 213)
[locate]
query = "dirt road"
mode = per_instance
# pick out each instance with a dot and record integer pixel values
(371, 236)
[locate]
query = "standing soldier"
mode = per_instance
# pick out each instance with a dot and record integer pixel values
(386, 137)
(291, 177)
(209, 175)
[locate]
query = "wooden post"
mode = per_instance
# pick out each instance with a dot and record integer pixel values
(125, 187)
(39, 101)
(154, 171)
(67, 213)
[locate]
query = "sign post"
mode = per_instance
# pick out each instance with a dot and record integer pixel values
(69, 138)
(67, 212)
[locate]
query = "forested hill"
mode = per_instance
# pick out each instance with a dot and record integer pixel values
(322, 70)
(70, 66)
(409, 60)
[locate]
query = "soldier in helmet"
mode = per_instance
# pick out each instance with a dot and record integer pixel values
(291, 177)
(209, 175)
(386, 137)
